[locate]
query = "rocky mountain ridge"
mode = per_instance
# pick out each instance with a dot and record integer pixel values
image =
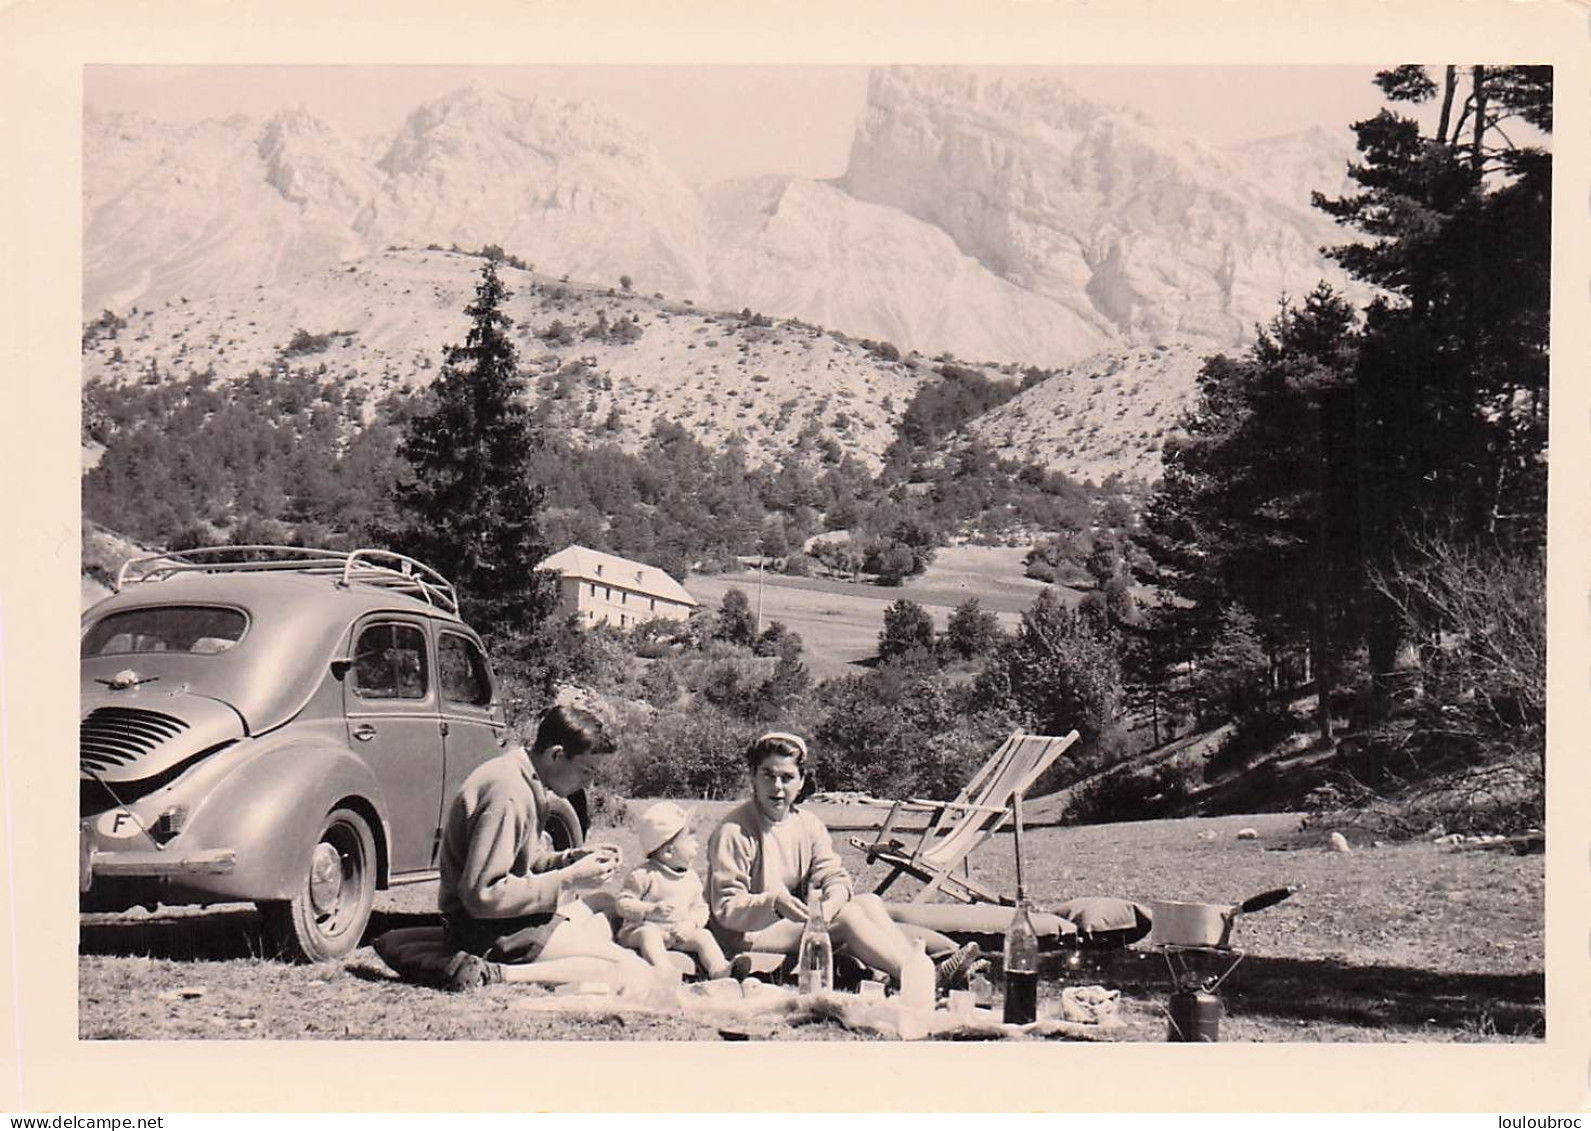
(1002, 219)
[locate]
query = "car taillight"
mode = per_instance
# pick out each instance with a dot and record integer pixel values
(169, 823)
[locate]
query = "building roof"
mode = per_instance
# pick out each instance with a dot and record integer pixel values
(585, 564)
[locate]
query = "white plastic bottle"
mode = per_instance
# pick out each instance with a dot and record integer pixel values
(917, 980)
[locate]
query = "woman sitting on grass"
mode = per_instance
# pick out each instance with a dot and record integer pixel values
(769, 848)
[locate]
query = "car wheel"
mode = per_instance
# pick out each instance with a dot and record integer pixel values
(327, 917)
(563, 824)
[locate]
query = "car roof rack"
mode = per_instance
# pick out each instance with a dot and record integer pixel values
(380, 568)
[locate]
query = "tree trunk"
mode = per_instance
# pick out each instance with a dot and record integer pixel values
(1477, 150)
(1384, 636)
(1318, 652)
(1449, 88)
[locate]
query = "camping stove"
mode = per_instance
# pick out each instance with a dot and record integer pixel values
(1195, 1011)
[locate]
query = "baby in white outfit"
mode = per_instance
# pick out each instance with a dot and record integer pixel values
(662, 902)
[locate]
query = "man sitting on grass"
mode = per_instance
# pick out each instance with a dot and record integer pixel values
(512, 905)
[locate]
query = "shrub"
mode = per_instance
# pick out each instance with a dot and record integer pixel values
(971, 631)
(1482, 668)
(690, 754)
(558, 334)
(1125, 795)
(303, 342)
(907, 625)
(659, 686)
(735, 621)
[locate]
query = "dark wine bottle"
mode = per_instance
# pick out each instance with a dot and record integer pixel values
(1021, 968)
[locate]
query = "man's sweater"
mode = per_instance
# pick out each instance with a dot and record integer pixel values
(494, 865)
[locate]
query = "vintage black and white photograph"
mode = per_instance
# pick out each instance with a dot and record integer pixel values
(746, 552)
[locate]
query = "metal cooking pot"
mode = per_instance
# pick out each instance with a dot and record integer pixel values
(1205, 924)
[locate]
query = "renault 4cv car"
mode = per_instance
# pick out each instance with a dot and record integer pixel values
(277, 725)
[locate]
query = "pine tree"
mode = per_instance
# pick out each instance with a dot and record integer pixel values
(470, 510)
(1454, 380)
(1451, 388)
(1257, 502)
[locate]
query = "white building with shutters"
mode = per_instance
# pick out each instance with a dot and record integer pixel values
(604, 588)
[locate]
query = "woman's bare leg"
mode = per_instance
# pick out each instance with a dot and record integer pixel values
(558, 971)
(863, 927)
(584, 938)
(937, 945)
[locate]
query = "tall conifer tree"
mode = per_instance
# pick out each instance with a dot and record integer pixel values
(471, 511)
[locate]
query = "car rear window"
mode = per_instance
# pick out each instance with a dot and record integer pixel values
(198, 630)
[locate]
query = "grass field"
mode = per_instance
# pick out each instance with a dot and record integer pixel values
(839, 621)
(1407, 942)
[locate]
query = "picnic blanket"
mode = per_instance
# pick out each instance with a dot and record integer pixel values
(760, 1009)
(741, 1011)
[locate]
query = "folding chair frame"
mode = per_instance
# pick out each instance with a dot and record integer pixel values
(950, 818)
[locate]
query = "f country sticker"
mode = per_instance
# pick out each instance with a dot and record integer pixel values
(118, 823)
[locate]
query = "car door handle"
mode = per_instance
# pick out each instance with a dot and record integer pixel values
(364, 732)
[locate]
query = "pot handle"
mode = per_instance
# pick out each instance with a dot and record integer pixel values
(1263, 900)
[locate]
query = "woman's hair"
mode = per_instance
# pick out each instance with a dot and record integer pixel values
(780, 744)
(577, 731)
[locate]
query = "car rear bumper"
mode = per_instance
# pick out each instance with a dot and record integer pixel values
(93, 863)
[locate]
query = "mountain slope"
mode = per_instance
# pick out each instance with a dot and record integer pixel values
(382, 323)
(1107, 415)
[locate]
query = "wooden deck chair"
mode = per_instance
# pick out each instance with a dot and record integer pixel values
(960, 826)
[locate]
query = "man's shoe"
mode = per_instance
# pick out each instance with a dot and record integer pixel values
(470, 972)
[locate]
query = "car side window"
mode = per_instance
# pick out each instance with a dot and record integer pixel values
(390, 663)
(463, 673)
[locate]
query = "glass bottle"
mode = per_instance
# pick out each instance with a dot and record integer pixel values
(1021, 965)
(815, 961)
(982, 991)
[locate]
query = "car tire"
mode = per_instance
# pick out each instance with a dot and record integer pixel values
(563, 824)
(326, 918)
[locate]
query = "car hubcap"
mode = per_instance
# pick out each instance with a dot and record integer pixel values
(325, 878)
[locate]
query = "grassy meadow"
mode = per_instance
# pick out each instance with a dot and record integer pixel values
(839, 621)
(1408, 942)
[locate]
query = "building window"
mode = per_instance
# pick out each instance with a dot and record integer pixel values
(653, 601)
(624, 598)
(593, 588)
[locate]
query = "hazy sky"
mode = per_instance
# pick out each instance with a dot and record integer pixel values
(713, 121)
